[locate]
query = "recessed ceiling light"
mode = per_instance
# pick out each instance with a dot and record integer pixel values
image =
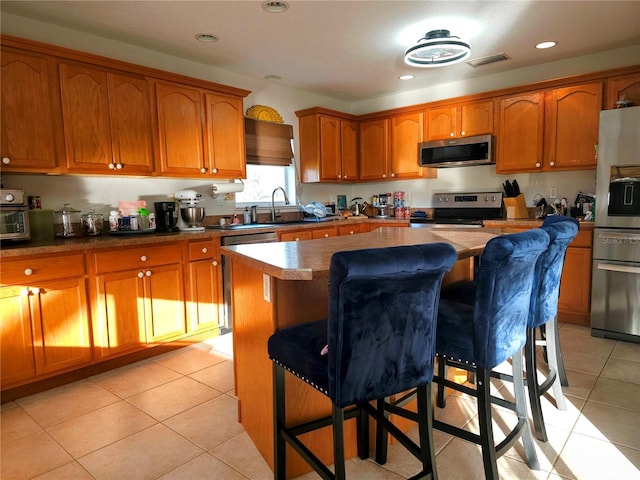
(406, 77)
(275, 6)
(206, 37)
(544, 45)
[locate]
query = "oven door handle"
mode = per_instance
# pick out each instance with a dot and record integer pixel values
(618, 268)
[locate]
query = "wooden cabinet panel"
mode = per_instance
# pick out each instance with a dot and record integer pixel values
(16, 342)
(181, 148)
(463, 120)
(25, 271)
(295, 236)
(330, 148)
(573, 117)
(406, 134)
(225, 136)
(165, 307)
(623, 87)
(324, 232)
(29, 113)
(521, 133)
(374, 149)
(350, 229)
(441, 123)
(349, 150)
(204, 300)
(574, 303)
(139, 257)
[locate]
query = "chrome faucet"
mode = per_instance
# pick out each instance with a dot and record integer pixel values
(273, 205)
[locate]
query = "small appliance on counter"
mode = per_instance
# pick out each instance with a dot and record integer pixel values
(14, 216)
(165, 220)
(191, 215)
(67, 222)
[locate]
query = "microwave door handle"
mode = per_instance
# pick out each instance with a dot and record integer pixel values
(618, 268)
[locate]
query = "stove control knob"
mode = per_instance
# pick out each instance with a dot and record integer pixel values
(8, 198)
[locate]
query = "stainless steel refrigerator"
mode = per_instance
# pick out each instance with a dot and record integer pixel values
(615, 292)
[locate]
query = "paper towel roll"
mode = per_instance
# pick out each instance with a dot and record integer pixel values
(227, 188)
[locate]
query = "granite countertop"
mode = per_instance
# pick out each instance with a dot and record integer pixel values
(530, 222)
(310, 259)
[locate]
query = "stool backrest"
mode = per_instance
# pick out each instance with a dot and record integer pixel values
(546, 282)
(503, 295)
(383, 306)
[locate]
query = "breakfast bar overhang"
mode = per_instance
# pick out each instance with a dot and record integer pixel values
(275, 285)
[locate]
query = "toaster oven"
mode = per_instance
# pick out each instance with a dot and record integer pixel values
(14, 216)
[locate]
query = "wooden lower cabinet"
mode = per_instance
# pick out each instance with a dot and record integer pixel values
(204, 292)
(295, 236)
(45, 328)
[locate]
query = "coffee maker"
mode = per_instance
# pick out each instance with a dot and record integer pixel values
(165, 219)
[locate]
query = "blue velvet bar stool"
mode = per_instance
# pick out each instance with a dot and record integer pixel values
(378, 340)
(478, 338)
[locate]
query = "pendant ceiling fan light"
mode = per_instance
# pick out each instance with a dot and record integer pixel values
(437, 48)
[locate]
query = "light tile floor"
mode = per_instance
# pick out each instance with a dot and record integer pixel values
(174, 417)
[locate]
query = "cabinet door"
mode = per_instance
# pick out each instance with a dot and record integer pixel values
(131, 125)
(624, 87)
(61, 325)
(165, 308)
(521, 133)
(119, 326)
(349, 150)
(30, 126)
(406, 134)
(374, 149)
(85, 117)
(575, 287)
(572, 124)
(203, 305)
(330, 149)
(16, 343)
(441, 123)
(225, 136)
(181, 148)
(476, 119)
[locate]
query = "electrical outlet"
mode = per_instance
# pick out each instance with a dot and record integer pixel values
(553, 192)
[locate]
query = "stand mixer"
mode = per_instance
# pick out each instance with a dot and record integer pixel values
(191, 216)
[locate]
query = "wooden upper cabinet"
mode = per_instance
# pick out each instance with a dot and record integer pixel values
(521, 133)
(572, 120)
(328, 147)
(200, 133)
(464, 120)
(623, 87)
(107, 121)
(374, 149)
(31, 133)
(224, 126)
(180, 115)
(406, 133)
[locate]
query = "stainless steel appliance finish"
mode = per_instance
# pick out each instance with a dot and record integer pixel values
(457, 152)
(263, 237)
(615, 290)
(462, 209)
(14, 216)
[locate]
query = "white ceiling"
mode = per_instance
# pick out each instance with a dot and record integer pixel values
(349, 50)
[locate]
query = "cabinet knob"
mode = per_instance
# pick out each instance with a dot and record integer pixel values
(344, 177)
(215, 170)
(297, 239)
(203, 170)
(35, 291)
(393, 175)
(384, 175)
(452, 134)
(143, 258)
(140, 274)
(6, 160)
(204, 250)
(351, 232)
(326, 235)
(552, 164)
(118, 166)
(214, 263)
(148, 273)
(28, 271)
(463, 133)
(537, 164)
(112, 166)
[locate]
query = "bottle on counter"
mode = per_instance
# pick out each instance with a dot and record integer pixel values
(114, 215)
(246, 216)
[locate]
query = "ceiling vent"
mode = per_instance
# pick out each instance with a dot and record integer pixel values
(498, 57)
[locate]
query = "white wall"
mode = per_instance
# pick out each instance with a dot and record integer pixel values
(103, 193)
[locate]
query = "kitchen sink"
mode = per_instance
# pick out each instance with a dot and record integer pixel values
(248, 226)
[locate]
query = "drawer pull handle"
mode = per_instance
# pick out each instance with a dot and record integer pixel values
(28, 271)
(148, 273)
(618, 268)
(215, 263)
(140, 274)
(143, 258)
(204, 250)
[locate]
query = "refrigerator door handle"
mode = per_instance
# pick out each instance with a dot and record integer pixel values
(618, 268)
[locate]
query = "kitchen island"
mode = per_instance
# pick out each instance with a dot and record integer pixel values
(276, 285)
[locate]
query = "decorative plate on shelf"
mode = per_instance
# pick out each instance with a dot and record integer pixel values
(261, 112)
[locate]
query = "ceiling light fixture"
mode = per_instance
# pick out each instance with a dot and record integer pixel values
(206, 37)
(275, 6)
(437, 48)
(544, 45)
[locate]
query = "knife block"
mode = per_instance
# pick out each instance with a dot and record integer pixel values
(516, 207)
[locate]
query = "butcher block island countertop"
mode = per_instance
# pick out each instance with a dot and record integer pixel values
(309, 260)
(275, 285)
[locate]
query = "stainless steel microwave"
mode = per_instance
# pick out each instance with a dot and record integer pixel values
(457, 152)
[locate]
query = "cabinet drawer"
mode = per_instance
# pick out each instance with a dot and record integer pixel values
(324, 232)
(203, 250)
(29, 270)
(140, 257)
(584, 239)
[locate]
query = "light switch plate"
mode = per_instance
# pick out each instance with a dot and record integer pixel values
(266, 287)
(553, 192)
